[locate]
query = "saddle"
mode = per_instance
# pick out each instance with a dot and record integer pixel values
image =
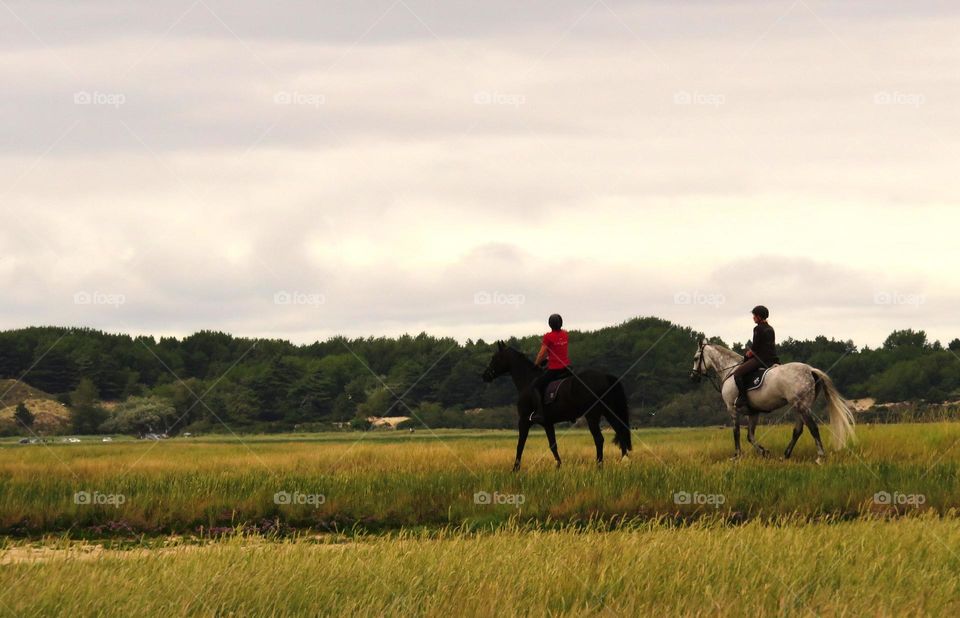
(754, 380)
(550, 393)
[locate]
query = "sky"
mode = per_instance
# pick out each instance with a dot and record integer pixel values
(303, 170)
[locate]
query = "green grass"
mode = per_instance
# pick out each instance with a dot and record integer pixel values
(863, 568)
(386, 481)
(399, 532)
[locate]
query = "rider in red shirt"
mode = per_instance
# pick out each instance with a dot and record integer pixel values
(554, 351)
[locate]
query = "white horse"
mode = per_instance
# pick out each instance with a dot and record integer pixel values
(794, 384)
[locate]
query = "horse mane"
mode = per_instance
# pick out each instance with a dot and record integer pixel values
(725, 351)
(518, 354)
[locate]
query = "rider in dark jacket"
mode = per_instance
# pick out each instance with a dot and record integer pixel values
(762, 352)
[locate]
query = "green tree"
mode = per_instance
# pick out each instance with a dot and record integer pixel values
(23, 416)
(86, 414)
(140, 415)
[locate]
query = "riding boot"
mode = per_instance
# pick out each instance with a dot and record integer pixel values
(741, 404)
(537, 415)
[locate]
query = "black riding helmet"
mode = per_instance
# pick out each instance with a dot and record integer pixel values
(761, 312)
(555, 322)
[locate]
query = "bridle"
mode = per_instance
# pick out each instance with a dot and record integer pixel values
(701, 370)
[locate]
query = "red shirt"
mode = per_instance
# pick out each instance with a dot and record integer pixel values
(556, 342)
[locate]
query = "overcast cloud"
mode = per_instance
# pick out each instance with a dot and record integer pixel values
(302, 170)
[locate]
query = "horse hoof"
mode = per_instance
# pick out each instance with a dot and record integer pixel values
(735, 458)
(819, 461)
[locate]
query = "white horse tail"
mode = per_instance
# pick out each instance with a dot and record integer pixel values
(841, 416)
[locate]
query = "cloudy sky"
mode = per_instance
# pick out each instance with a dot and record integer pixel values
(300, 170)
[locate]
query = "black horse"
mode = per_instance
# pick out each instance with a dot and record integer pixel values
(588, 393)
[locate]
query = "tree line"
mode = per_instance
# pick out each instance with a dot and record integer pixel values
(212, 380)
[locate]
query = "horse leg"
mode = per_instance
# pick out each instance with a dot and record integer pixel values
(552, 438)
(812, 426)
(751, 435)
(736, 435)
(524, 431)
(797, 430)
(594, 424)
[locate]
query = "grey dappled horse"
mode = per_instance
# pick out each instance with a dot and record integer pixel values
(793, 384)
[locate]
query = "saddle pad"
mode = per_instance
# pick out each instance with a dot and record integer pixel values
(550, 393)
(755, 379)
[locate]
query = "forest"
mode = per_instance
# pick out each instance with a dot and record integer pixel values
(213, 381)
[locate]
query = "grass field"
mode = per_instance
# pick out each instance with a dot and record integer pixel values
(434, 523)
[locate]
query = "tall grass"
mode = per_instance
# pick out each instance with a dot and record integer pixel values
(389, 481)
(864, 568)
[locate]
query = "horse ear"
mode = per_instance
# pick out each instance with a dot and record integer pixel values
(701, 342)
(499, 345)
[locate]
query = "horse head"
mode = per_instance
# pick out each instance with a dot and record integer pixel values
(499, 363)
(699, 370)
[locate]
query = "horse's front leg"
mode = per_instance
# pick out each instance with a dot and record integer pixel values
(522, 440)
(751, 435)
(736, 435)
(552, 439)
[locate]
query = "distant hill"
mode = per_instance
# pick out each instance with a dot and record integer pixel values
(50, 416)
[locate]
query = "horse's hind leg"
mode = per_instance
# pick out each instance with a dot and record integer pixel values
(815, 431)
(797, 430)
(751, 435)
(594, 424)
(552, 438)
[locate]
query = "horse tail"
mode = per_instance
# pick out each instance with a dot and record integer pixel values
(841, 415)
(617, 413)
